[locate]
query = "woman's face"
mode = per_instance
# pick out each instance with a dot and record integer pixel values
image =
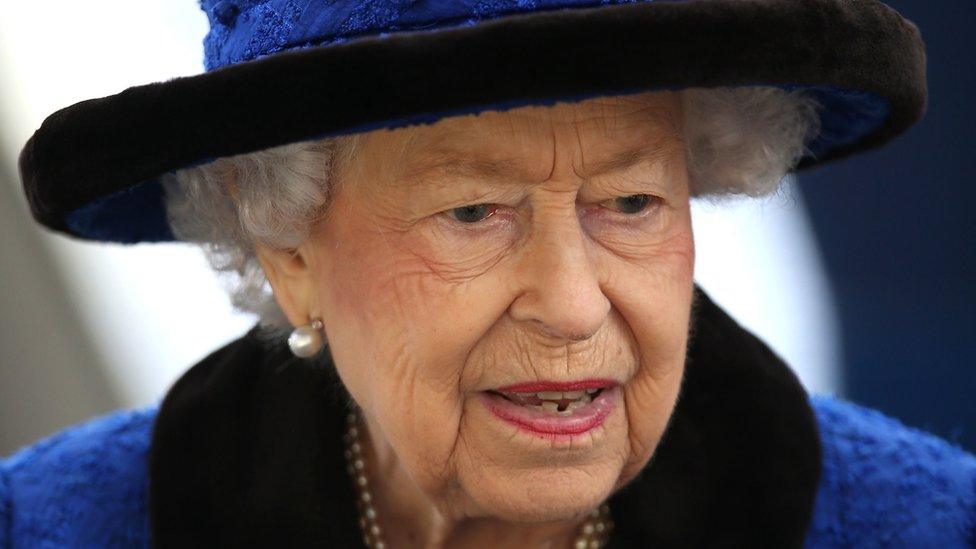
(468, 269)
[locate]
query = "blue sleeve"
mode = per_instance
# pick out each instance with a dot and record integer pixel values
(885, 484)
(4, 508)
(83, 487)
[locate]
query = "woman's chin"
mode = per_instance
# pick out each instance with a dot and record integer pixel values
(560, 499)
(534, 511)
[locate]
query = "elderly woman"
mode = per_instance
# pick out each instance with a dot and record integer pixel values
(470, 222)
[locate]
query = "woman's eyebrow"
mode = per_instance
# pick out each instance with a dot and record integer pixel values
(512, 169)
(465, 165)
(625, 159)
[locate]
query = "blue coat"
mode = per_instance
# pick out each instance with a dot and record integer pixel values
(876, 483)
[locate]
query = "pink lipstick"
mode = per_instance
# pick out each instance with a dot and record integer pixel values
(551, 409)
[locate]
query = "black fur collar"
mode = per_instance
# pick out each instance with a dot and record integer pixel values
(247, 451)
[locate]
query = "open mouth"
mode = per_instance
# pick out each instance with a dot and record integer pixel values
(551, 409)
(562, 403)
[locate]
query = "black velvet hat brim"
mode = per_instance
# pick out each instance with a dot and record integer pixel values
(90, 170)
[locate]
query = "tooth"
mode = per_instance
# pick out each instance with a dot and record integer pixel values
(549, 395)
(550, 406)
(591, 391)
(565, 412)
(576, 405)
(573, 395)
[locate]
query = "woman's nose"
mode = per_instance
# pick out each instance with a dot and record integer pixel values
(560, 289)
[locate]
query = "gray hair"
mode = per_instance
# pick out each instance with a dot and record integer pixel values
(738, 141)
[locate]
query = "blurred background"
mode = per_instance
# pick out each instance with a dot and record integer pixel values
(859, 274)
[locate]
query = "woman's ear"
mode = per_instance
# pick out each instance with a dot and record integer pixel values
(291, 280)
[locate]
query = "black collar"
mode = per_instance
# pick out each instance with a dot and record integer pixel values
(247, 451)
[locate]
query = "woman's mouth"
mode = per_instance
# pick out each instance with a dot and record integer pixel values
(551, 409)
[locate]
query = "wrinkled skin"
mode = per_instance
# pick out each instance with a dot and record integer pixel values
(424, 310)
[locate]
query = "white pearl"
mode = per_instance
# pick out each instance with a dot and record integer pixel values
(305, 341)
(581, 543)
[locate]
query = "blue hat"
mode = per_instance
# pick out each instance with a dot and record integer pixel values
(282, 71)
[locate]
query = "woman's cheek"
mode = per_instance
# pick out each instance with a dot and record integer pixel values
(673, 260)
(648, 288)
(435, 293)
(651, 395)
(455, 252)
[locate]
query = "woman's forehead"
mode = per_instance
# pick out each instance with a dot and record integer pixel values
(630, 113)
(608, 133)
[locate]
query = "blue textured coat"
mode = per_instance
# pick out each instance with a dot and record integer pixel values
(883, 484)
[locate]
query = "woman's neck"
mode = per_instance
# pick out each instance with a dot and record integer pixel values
(408, 518)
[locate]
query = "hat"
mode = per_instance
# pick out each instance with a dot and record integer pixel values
(283, 71)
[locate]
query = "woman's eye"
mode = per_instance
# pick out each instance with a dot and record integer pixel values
(631, 204)
(473, 213)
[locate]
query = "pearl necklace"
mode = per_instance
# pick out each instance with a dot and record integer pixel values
(593, 533)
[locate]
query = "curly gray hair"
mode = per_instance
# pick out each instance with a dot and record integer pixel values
(737, 141)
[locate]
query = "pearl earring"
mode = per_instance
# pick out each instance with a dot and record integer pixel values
(306, 341)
